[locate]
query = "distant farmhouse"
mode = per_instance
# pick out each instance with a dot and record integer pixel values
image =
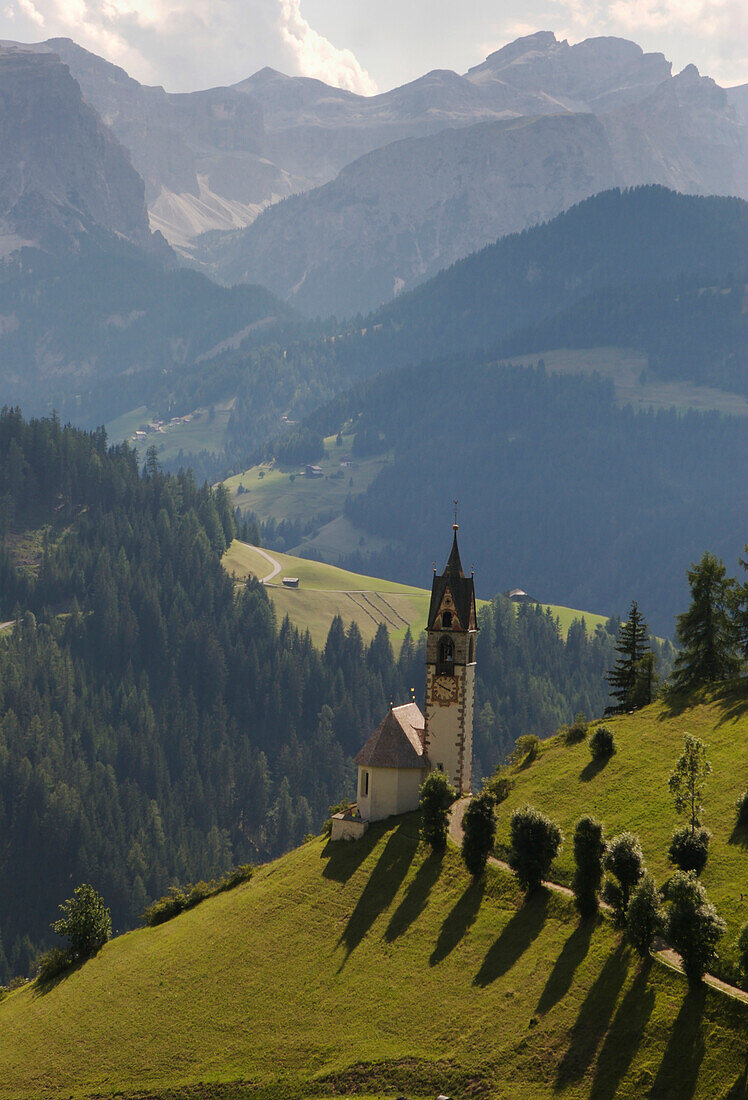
(406, 745)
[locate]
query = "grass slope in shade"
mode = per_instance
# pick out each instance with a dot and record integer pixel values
(325, 591)
(372, 968)
(630, 792)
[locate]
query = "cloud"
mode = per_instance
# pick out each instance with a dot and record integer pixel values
(317, 57)
(189, 44)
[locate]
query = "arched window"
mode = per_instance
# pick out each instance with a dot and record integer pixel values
(447, 620)
(446, 651)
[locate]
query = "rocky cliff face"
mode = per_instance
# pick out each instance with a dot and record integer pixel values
(404, 211)
(215, 159)
(62, 172)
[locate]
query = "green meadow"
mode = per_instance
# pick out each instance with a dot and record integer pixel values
(630, 792)
(326, 591)
(373, 969)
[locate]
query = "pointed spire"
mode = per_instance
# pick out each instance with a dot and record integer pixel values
(454, 565)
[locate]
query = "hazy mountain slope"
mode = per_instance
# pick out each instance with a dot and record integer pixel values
(405, 211)
(61, 170)
(213, 159)
(95, 333)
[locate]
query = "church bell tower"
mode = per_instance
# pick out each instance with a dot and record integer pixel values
(450, 672)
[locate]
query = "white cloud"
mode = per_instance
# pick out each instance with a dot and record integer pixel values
(28, 8)
(317, 57)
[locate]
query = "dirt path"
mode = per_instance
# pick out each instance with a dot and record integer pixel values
(665, 954)
(276, 565)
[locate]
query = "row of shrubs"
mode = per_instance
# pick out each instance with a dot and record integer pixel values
(181, 898)
(614, 870)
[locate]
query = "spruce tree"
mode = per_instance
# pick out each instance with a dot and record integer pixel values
(707, 632)
(630, 678)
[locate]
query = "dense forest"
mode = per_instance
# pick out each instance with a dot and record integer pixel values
(643, 268)
(563, 493)
(158, 726)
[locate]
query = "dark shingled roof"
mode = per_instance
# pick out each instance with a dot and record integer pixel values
(397, 741)
(461, 587)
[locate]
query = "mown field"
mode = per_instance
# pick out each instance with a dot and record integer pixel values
(326, 591)
(375, 969)
(634, 384)
(630, 792)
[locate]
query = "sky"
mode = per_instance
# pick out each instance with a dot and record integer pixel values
(367, 45)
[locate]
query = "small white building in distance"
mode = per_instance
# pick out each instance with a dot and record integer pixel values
(405, 746)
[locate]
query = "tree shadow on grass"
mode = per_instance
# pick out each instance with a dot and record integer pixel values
(739, 835)
(564, 968)
(593, 1019)
(589, 771)
(416, 896)
(344, 857)
(624, 1036)
(458, 921)
(42, 987)
(515, 938)
(679, 1068)
(382, 886)
(739, 1090)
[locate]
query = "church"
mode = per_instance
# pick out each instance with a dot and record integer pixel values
(407, 745)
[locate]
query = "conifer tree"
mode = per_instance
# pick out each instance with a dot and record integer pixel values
(631, 677)
(707, 632)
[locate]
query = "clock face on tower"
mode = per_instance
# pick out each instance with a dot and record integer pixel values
(444, 690)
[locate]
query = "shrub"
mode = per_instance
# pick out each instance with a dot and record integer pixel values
(589, 853)
(743, 949)
(625, 861)
(741, 807)
(602, 744)
(85, 922)
(534, 843)
(525, 749)
(437, 795)
(499, 786)
(53, 963)
(644, 916)
(181, 898)
(479, 831)
(576, 732)
(692, 925)
(689, 848)
(336, 809)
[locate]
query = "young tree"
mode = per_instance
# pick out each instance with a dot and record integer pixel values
(479, 831)
(707, 631)
(692, 925)
(589, 853)
(602, 744)
(535, 843)
(689, 848)
(688, 779)
(85, 921)
(631, 677)
(437, 795)
(643, 916)
(625, 861)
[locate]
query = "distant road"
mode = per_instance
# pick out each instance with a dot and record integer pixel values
(271, 561)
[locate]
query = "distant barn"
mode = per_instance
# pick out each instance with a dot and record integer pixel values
(291, 582)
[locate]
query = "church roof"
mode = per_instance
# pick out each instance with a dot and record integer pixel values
(397, 742)
(461, 587)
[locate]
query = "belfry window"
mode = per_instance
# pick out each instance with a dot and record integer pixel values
(447, 620)
(446, 651)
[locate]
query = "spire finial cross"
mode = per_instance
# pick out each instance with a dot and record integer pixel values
(455, 502)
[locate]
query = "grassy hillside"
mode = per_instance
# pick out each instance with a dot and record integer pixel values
(325, 591)
(630, 792)
(372, 969)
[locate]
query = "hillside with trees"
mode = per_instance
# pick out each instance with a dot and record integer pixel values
(564, 494)
(156, 728)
